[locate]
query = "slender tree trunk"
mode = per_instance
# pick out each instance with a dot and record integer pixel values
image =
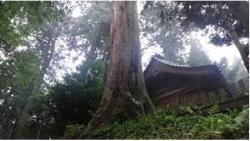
(234, 36)
(125, 94)
(11, 131)
(47, 49)
(39, 131)
(90, 56)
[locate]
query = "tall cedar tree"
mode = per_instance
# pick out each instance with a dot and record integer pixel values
(125, 94)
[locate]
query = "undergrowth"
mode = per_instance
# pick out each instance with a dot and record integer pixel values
(161, 124)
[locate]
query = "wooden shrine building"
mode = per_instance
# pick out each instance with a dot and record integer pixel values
(172, 85)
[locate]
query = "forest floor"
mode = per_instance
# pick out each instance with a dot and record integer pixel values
(181, 123)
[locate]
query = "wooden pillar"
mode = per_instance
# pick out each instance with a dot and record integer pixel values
(199, 98)
(218, 95)
(213, 97)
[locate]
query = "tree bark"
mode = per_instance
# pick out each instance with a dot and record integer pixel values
(234, 36)
(47, 48)
(90, 57)
(125, 94)
(241, 12)
(39, 131)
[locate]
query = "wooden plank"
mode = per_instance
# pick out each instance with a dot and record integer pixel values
(231, 103)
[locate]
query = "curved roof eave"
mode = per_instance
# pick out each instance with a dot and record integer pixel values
(157, 65)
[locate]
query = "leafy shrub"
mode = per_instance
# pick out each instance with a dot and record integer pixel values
(75, 100)
(240, 127)
(73, 130)
(165, 125)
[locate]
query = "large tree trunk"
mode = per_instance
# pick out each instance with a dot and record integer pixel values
(234, 36)
(125, 94)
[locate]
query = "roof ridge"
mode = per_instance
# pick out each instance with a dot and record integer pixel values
(184, 66)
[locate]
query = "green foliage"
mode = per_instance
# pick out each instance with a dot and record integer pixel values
(204, 14)
(19, 75)
(160, 26)
(25, 24)
(181, 110)
(75, 100)
(20, 18)
(240, 128)
(164, 125)
(27, 68)
(73, 130)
